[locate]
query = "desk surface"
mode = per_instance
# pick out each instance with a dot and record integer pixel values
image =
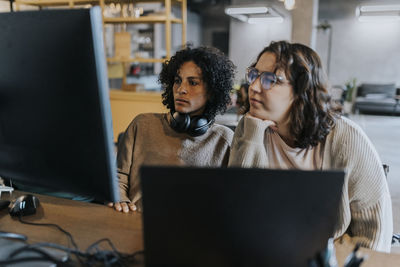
(90, 222)
(85, 221)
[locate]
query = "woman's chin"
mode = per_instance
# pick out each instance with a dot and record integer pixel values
(258, 114)
(181, 110)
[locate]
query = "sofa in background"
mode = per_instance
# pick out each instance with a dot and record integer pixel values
(377, 99)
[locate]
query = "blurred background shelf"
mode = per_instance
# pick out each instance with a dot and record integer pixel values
(131, 36)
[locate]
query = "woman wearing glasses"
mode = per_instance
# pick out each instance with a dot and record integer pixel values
(292, 125)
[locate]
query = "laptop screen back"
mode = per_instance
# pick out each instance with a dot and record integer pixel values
(237, 217)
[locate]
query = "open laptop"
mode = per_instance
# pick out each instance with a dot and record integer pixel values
(237, 217)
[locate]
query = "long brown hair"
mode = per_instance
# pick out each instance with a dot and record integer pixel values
(312, 114)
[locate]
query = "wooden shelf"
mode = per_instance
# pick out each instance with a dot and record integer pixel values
(56, 2)
(144, 19)
(142, 60)
(80, 2)
(165, 17)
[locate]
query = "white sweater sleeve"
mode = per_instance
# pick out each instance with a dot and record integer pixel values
(248, 148)
(368, 198)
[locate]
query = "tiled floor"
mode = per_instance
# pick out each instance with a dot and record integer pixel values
(384, 132)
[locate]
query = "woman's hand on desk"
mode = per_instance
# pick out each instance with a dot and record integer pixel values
(123, 206)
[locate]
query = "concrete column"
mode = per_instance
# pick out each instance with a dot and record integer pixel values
(304, 22)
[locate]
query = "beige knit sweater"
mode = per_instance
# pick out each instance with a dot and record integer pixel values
(150, 140)
(366, 210)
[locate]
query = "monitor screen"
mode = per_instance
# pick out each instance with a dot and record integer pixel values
(55, 116)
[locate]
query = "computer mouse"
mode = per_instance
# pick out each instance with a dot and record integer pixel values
(23, 205)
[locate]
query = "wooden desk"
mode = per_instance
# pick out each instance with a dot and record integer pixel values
(90, 222)
(85, 221)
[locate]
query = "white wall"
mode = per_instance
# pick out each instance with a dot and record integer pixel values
(193, 32)
(193, 35)
(193, 29)
(247, 40)
(367, 51)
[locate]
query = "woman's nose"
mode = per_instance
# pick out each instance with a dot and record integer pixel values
(182, 89)
(256, 86)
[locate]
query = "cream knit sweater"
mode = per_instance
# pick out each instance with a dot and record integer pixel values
(366, 210)
(150, 140)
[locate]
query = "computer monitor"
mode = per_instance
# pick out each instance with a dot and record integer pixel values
(55, 116)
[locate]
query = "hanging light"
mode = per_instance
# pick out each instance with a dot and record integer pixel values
(289, 4)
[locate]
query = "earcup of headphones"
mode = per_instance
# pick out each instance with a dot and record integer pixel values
(198, 126)
(180, 122)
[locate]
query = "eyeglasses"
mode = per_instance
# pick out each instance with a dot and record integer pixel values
(267, 79)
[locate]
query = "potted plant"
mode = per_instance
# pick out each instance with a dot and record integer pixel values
(350, 90)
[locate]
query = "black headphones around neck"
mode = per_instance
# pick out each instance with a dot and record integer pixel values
(194, 126)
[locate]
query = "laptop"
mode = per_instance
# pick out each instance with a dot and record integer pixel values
(237, 216)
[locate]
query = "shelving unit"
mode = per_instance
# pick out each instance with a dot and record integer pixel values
(165, 18)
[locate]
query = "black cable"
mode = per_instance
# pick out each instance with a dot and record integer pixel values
(100, 241)
(92, 255)
(110, 257)
(59, 247)
(60, 229)
(131, 257)
(52, 225)
(105, 257)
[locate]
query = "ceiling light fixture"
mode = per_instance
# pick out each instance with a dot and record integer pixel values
(246, 10)
(289, 4)
(254, 14)
(382, 13)
(384, 8)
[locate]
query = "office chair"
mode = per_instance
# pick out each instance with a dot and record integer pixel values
(395, 237)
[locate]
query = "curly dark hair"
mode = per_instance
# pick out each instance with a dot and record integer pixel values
(312, 113)
(217, 71)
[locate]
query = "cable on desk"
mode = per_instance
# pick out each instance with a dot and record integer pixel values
(52, 225)
(113, 256)
(60, 229)
(94, 256)
(91, 257)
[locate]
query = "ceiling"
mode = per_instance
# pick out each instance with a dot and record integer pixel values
(212, 11)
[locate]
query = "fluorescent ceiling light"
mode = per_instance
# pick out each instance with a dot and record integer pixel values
(382, 8)
(378, 13)
(254, 14)
(246, 10)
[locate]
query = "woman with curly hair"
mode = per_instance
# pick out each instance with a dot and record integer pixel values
(197, 83)
(291, 124)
